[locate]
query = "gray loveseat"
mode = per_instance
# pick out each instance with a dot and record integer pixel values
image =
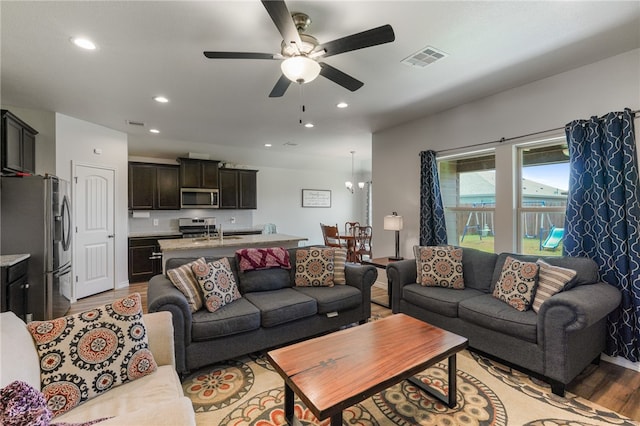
(556, 344)
(271, 312)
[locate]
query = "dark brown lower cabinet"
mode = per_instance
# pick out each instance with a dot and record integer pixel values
(14, 289)
(145, 258)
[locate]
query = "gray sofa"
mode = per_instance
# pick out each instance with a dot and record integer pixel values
(272, 312)
(556, 344)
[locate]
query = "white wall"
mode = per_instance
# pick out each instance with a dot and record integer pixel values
(75, 144)
(594, 89)
(280, 201)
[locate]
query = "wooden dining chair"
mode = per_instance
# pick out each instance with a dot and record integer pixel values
(332, 236)
(349, 227)
(363, 235)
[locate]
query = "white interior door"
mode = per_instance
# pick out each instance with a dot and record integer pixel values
(94, 242)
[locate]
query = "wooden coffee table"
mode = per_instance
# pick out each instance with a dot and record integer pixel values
(335, 371)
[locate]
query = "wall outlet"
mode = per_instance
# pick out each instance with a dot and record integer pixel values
(233, 220)
(155, 222)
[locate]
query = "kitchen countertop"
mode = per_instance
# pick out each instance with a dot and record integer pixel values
(231, 241)
(12, 259)
(155, 234)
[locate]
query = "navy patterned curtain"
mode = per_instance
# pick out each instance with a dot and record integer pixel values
(433, 230)
(603, 216)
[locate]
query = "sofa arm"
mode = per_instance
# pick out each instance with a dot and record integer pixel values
(399, 274)
(160, 334)
(572, 328)
(578, 308)
(362, 277)
(163, 296)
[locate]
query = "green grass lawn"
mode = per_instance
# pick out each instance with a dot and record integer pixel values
(531, 245)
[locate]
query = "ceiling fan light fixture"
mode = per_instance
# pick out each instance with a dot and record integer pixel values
(300, 69)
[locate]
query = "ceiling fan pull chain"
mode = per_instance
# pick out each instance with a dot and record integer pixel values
(301, 103)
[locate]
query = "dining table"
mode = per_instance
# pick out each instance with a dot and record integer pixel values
(351, 247)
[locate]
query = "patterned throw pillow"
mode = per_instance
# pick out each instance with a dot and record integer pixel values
(439, 266)
(184, 280)
(87, 354)
(263, 258)
(314, 267)
(517, 283)
(217, 283)
(339, 262)
(551, 280)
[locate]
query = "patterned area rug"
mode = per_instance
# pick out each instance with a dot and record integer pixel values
(248, 391)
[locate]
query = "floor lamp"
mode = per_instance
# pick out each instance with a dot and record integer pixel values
(393, 222)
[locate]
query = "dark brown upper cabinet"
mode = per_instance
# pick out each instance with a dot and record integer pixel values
(154, 186)
(238, 189)
(198, 173)
(18, 145)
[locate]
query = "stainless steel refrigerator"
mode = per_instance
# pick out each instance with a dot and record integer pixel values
(35, 218)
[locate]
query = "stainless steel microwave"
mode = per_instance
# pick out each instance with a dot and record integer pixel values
(198, 198)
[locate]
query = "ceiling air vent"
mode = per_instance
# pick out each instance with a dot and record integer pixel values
(290, 144)
(424, 57)
(135, 123)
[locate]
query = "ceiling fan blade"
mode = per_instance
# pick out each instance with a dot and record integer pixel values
(281, 17)
(240, 55)
(281, 86)
(373, 37)
(339, 77)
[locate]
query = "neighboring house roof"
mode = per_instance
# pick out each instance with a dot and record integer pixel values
(475, 184)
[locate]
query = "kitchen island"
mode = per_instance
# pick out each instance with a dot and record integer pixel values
(227, 246)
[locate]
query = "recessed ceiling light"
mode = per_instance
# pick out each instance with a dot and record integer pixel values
(154, 130)
(268, 145)
(308, 125)
(161, 99)
(342, 105)
(84, 43)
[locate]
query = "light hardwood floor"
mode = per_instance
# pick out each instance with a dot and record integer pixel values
(608, 385)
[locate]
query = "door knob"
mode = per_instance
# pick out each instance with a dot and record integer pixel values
(111, 236)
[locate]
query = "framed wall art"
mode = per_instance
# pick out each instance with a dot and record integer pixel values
(316, 198)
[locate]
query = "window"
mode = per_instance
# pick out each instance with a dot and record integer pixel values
(511, 198)
(544, 176)
(468, 186)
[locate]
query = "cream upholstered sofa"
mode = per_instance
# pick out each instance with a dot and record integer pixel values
(155, 399)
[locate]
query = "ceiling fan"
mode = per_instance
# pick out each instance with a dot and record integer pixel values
(300, 51)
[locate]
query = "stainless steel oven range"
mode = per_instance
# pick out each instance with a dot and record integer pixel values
(194, 227)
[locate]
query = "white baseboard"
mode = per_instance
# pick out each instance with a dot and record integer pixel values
(621, 362)
(122, 285)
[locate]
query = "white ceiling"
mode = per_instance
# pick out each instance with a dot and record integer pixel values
(148, 48)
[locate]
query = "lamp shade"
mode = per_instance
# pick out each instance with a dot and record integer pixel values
(300, 69)
(392, 223)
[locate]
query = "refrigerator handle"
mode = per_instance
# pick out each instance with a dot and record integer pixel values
(63, 271)
(66, 215)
